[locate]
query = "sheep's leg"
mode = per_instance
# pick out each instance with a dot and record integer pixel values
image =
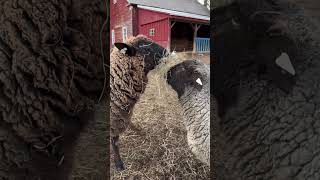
(117, 158)
(136, 128)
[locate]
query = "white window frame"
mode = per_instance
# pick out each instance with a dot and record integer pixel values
(124, 34)
(113, 37)
(152, 32)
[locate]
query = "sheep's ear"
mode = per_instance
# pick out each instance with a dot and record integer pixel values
(199, 81)
(125, 49)
(284, 62)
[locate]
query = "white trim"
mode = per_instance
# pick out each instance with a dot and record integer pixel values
(175, 13)
(113, 37)
(124, 37)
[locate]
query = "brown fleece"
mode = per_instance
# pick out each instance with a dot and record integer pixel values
(127, 83)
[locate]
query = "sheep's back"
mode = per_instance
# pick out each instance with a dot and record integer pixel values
(127, 83)
(196, 113)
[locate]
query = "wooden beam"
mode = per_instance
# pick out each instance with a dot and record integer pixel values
(195, 27)
(173, 24)
(192, 25)
(198, 26)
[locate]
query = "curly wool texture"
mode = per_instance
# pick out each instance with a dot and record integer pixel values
(196, 113)
(127, 83)
(45, 66)
(272, 135)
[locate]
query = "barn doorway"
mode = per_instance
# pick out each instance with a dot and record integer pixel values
(204, 31)
(181, 37)
(202, 39)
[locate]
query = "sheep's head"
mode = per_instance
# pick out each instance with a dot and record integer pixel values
(251, 36)
(190, 74)
(151, 52)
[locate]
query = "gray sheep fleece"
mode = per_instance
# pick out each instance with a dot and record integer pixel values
(270, 134)
(195, 101)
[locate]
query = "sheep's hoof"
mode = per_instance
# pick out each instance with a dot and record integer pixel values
(120, 165)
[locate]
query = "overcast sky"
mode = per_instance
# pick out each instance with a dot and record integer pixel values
(201, 1)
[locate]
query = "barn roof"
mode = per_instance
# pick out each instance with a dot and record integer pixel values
(184, 6)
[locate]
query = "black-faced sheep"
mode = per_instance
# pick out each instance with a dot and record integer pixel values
(130, 64)
(266, 79)
(191, 80)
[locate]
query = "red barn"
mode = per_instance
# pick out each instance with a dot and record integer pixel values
(180, 25)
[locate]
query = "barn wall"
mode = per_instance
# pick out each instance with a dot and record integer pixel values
(161, 31)
(146, 16)
(135, 20)
(140, 21)
(159, 21)
(120, 16)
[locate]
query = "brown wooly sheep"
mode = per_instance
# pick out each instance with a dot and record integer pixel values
(130, 64)
(47, 59)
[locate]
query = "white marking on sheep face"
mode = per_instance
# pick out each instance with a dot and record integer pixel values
(124, 50)
(199, 81)
(145, 45)
(285, 63)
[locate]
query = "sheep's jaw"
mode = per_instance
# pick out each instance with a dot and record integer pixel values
(152, 60)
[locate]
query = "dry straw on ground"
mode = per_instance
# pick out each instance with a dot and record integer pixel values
(162, 152)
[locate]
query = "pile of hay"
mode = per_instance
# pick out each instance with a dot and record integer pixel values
(163, 152)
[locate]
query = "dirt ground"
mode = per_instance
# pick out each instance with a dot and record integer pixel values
(162, 152)
(203, 57)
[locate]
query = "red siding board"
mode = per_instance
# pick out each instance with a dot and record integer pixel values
(135, 20)
(161, 31)
(146, 16)
(158, 21)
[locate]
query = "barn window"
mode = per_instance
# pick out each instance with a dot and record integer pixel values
(114, 1)
(152, 32)
(113, 38)
(124, 34)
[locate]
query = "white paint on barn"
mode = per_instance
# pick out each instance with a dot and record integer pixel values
(175, 13)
